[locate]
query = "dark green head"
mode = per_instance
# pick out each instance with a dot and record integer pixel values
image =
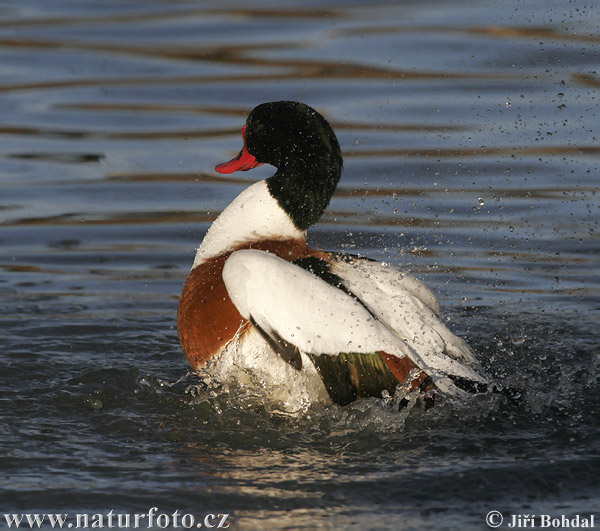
(300, 143)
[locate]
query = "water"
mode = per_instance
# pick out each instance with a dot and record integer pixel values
(470, 135)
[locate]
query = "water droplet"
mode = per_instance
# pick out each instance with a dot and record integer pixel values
(481, 201)
(95, 404)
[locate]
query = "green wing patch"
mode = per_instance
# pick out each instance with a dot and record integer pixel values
(353, 375)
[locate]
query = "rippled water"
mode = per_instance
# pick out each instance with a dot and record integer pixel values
(470, 135)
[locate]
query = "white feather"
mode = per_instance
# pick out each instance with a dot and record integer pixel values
(318, 318)
(300, 307)
(253, 215)
(405, 305)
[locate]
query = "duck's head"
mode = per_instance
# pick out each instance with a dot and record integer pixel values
(300, 143)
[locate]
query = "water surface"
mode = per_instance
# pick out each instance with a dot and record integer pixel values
(470, 136)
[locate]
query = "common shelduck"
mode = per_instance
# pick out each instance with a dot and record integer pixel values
(262, 305)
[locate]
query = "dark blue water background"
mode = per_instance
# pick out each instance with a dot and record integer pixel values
(470, 134)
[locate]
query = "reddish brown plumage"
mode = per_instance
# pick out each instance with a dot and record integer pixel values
(401, 368)
(207, 319)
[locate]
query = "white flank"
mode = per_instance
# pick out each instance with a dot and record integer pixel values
(253, 215)
(250, 362)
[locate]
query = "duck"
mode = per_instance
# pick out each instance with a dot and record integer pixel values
(260, 307)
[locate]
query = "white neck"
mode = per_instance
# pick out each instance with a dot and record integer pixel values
(253, 215)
